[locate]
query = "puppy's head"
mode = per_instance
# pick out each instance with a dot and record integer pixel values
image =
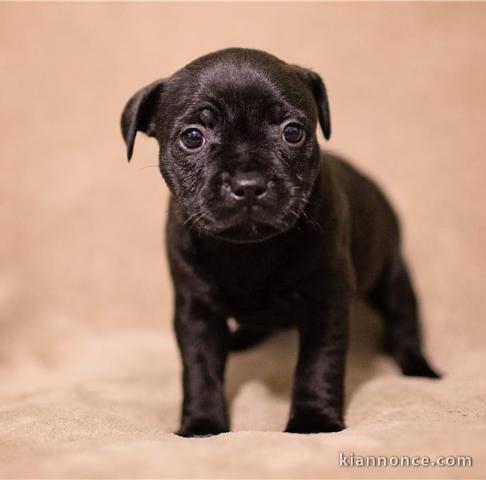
(238, 148)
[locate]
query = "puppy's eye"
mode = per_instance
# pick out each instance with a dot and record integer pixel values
(293, 133)
(192, 138)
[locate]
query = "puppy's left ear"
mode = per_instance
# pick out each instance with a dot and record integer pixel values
(318, 89)
(139, 114)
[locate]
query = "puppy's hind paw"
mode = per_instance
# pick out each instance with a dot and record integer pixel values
(418, 366)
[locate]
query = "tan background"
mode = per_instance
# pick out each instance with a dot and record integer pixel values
(89, 375)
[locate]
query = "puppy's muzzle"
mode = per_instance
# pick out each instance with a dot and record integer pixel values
(244, 188)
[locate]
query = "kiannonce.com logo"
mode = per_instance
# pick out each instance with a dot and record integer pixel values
(352, 460)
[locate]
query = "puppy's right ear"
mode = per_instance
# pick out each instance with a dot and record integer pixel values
(139, 114)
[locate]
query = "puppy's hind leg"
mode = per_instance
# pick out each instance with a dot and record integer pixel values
(395, 300)
(244, 338)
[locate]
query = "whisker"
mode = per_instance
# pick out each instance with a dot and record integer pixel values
(148, 166)
(312, 221)
(193, 219)
(190, 218)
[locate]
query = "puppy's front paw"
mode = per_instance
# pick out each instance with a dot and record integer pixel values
(312, 422)
(201, 427)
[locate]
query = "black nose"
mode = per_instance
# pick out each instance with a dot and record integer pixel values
(247, 186)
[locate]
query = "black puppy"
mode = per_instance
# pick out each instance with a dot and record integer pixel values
(266, 228)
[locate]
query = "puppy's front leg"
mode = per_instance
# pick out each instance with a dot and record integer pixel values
(317, 398)
(203, 339)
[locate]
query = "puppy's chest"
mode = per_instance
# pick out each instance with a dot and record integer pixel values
(245, 287)
(246, 275)
(270, 310)
(257, 291)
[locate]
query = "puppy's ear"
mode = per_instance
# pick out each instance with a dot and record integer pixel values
(139, 113)
(318, 89)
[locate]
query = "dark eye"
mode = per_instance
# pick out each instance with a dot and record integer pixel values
(293, 133)
(192, 138)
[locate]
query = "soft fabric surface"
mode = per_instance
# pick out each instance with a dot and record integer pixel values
(89, 372)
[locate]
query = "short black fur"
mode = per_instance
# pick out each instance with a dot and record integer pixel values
(270, 232)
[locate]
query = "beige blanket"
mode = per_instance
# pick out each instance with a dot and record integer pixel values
(89, 372)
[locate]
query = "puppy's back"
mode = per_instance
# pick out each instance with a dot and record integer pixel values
(375, 233)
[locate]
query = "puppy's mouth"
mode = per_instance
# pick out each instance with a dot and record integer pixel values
(243, 228)
(248, 232)
(254, 221)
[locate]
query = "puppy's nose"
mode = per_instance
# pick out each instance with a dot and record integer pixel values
(248, 186)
